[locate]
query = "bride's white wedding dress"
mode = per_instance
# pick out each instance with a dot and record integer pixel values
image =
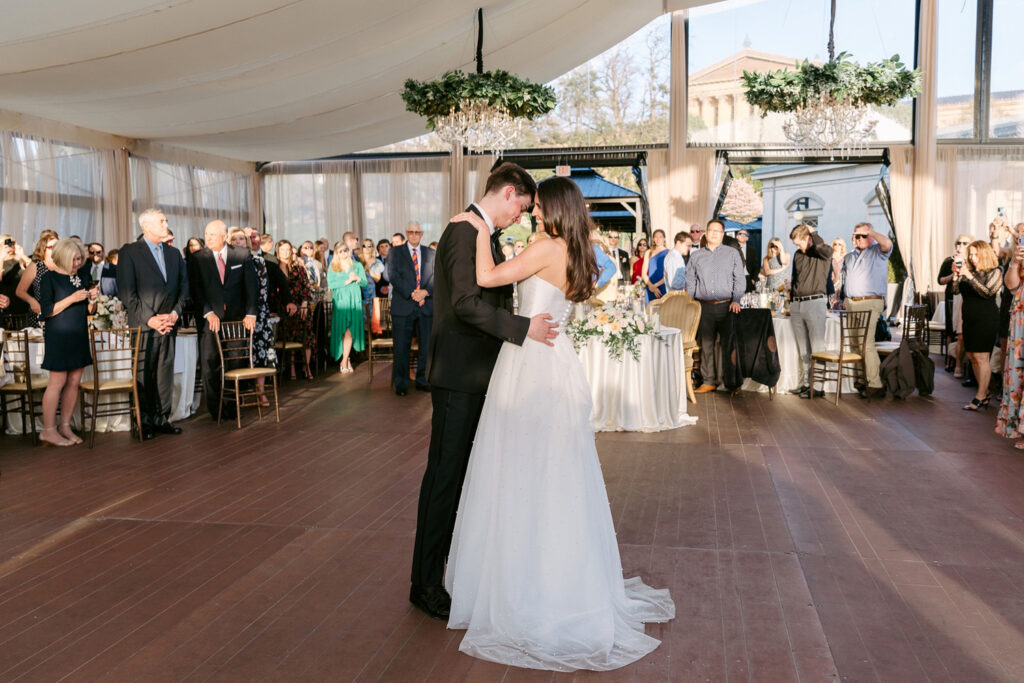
(534, 569)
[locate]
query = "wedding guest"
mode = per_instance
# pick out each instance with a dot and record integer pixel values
(383, 285)
(65, 304)
(315, 269)
(433, 245)
(193, 245)
(346, 279)
(373, 268)
(108, 279)
(153, 282)
(169, 239)
(518, 246)
(751, 259)
(267, 247)
(812, 267)
(978, 282)
(507, 251)
(297, 327)
(397, 240)
(1008, 421)
(96, 260)
(1005, 303)
(653, 272)
(28, 286)
(675, 262)
(775, 264)
(620, 256)
(637, 264)
(715, 277)
(835, 280)
(866, 274)
(945, 278)
(696, 236)
(411, 269)
(223, 286)
(13, 263)
(323, 247)
(607, 267)
(352, 242)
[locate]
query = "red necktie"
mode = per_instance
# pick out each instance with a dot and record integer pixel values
(416, 265)
(221, 267)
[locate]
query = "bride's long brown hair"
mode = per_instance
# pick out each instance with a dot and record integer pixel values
(565, 216)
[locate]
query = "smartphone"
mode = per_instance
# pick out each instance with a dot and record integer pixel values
(1020, 241)
(959, 263)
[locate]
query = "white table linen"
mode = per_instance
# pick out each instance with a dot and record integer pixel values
(186, 349)
(646, 395)
(792, 373)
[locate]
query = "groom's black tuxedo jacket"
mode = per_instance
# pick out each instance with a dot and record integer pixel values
(470, 322)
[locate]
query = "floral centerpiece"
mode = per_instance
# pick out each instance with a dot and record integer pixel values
(618, 330)
(110, 313)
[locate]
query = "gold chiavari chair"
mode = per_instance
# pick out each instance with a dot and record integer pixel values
(234, 344)
(115, 372)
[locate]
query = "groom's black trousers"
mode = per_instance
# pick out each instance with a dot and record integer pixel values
(453, 427)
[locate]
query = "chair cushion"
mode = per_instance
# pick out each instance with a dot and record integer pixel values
(249, 373)
(38, 384)
(288, 345)
(107, 385)
(382, 342)
(833, 357)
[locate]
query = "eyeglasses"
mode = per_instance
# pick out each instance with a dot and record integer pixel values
(962, 244)
(860, 237)
(413, 232)
(742, 234)
(94, 252)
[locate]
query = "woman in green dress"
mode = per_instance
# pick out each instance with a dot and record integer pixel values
(346, 279)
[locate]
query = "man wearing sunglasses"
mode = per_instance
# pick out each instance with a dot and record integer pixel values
(866, 274)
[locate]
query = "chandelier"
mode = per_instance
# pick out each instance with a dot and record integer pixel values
(478, 125)
(830, 124)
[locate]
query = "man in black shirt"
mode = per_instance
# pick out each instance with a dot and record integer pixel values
(812, 266)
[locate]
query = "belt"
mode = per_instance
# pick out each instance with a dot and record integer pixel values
(721, 301)
(865, 298)
(812, 297)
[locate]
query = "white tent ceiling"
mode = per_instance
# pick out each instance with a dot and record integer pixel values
(280, 79)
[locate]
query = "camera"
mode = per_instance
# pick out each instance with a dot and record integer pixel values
(959, 263)
(8, 242)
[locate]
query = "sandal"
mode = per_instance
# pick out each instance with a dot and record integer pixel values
(264, 401)
(68, 435)
(49, 442)
(978, 403)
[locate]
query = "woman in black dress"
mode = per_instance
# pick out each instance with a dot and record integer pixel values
(28, 287)
(978, 282)
(64, 304)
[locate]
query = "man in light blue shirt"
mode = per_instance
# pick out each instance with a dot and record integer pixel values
(866, 277)
(605, 267)
(675, 262)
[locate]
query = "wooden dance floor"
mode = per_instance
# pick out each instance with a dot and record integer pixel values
(876, 541)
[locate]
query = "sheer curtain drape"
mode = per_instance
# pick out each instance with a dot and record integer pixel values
(685, 197)
(46, 184)
(190, 196)
(373, 198)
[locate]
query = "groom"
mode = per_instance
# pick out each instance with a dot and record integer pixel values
(470, 324)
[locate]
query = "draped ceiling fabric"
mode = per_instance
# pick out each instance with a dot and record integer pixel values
(265, 80)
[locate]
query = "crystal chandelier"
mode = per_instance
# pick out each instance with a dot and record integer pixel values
(478, 126)
(830, 124)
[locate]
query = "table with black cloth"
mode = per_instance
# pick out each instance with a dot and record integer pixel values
(749, 349)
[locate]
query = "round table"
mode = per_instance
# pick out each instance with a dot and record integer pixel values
(793, 374)
(645, 395)
(184, 398)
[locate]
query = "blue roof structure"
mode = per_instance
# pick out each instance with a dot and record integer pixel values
(593, 186)
(731, 226)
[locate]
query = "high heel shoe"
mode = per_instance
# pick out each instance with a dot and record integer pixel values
(978, 403)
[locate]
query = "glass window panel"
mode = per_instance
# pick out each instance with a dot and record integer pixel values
(729, 37)
(955, 75)
(1006, 102)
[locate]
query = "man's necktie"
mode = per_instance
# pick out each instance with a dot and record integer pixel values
(416, 265)
(221, 267)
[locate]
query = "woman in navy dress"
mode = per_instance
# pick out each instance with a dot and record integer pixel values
(64, 304)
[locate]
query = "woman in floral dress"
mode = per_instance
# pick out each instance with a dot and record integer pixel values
(263, 354)
(297, 327)
(1008, 422)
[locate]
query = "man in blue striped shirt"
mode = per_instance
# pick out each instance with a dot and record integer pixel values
(717, 279)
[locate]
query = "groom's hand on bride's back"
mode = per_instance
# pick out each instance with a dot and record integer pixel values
(542, 328)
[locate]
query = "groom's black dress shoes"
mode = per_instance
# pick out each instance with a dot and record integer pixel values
(166, 428)
(434, 600)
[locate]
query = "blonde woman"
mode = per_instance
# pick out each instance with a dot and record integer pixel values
(838, 254)
(978, 281)
(65, 304)
(346, 279)
(775, 264)
(28, 286)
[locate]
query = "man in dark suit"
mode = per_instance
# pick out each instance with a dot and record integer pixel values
(152, 283)
(620, 256)
(223, 284)
(470, 324)
(751, 260)
(411, 272)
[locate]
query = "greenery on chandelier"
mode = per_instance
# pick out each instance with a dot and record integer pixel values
(841, 79)
(434, 99)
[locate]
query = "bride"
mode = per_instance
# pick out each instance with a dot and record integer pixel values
(534, 569)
